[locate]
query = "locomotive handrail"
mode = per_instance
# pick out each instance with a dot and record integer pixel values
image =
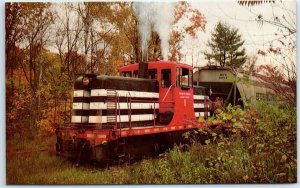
(143, 100)
(118, 102)
(137, 100)
(154, 117)
(154, 108)
(130, 111)
(168, 91)
(128, 105)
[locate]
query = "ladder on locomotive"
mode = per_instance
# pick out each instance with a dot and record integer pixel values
(112, 113)
(111, 101)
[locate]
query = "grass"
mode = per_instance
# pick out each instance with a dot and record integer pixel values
(266, 156)
(214, 163)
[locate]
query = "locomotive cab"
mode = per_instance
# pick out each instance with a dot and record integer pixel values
(175, 89)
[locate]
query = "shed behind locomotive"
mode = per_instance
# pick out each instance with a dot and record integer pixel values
(220, 82)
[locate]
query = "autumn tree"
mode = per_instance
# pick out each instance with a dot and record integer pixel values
(13, 35)
(38, 19)
(125, 42)
(67, 36)
(127, 39)
(226, 47)
(120, 40)
(97, 33)
(254, 2)
(84, 28)
(281, 50)
(48, 44)
(284, 88)
(195, 22)
(28, 26)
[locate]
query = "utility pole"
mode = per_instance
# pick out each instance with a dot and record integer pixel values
(235, 82)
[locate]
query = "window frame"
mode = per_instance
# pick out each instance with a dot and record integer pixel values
(163, 85)
(155, 73)
(186, 77)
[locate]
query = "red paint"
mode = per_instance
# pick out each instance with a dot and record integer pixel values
(172, 98)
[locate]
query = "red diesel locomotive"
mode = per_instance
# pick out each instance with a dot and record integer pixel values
(141, 112)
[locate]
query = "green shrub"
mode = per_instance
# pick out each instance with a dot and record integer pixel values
(267, 154)
(261, 147)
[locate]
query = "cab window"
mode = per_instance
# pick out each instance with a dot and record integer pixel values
(166, 78)
(126, 74)
(152, 73)
(184, 78)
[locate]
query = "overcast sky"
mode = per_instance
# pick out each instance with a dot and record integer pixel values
(256, 36)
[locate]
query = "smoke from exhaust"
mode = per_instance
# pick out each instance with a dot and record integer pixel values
(160, 16)
(143, 14)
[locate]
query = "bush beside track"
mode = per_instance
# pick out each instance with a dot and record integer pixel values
(259, 148)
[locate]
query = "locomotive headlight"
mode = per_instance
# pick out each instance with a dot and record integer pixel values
(85, 81)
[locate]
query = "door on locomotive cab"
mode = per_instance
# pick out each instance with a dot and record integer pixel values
(184, 78)
(166, 98)
(184, 93)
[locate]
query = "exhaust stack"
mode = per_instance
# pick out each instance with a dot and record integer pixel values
(143, 66)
